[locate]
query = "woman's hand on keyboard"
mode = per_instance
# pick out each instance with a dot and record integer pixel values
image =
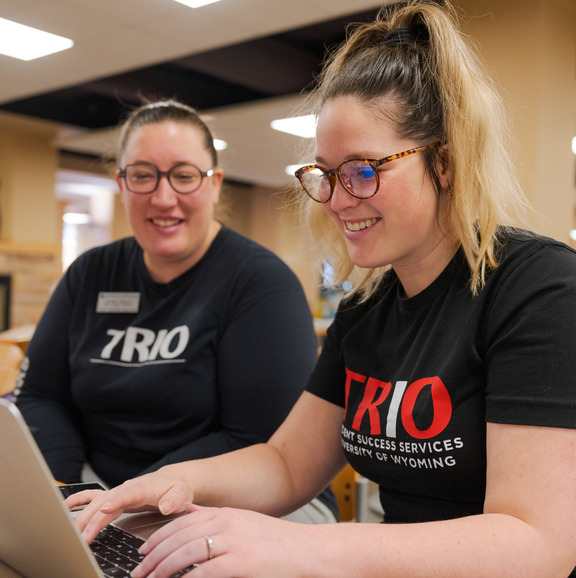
(226, 542)
(150, 492)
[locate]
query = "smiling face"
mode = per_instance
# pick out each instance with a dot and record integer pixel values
(399, 226)
(174, 230)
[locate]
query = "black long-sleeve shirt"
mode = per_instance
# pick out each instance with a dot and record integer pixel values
(131, 375)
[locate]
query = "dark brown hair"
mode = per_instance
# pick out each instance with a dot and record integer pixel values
(165, 110)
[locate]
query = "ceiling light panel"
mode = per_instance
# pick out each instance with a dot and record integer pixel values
(27, 43)
(303, 126)
(196, 3)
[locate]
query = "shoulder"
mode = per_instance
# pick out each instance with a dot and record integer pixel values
(93, 262)
(527, 252)
(237, 244)
(520, 240)
(535, 273)
(122, 249)
(250, 259)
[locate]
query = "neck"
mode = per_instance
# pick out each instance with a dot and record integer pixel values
(415, 278)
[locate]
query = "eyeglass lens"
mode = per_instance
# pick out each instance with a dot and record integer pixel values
(141, 178)
(357, 176)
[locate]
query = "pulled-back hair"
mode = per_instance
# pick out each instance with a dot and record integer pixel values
(413, 66)
(161, 111)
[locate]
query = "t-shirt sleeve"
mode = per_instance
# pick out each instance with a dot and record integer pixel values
(266, 353)
(528, 341)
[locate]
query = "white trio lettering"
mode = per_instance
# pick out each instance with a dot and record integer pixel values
(144, 345)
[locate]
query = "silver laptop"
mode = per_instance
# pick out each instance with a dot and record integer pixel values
(38, 536)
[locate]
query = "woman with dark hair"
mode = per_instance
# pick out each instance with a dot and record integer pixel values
(182, 342)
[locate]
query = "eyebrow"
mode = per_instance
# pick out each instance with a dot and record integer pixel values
(176, 164)
(363, 156)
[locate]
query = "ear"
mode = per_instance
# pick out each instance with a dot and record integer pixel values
(119, 181)
(217, 180)
(443, 169)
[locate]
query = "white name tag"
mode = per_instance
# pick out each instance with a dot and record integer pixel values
(111, 302)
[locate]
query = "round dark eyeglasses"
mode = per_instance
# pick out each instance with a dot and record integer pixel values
(359, 177)
(144, 178)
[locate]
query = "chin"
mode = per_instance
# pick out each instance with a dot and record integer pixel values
(367, 260)
(167, 251)
(175, 254)
(370, 264)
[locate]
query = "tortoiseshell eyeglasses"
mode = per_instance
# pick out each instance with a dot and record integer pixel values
(359, 177)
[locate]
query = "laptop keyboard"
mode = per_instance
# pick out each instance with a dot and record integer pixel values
(116, 552)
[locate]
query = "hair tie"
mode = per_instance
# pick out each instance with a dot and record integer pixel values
(399, 36)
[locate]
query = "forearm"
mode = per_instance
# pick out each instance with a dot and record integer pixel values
(486, 545)
(277, 477)
(254, 478)
(266, 477)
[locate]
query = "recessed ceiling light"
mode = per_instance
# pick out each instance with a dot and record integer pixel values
(26, 43)
(196, 3)
(304, 126)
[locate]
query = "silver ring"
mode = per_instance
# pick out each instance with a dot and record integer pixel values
(210, 544)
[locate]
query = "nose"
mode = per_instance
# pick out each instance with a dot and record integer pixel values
(341, 198)
(164, 195)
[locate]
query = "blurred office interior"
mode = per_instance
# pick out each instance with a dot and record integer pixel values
(243, 64)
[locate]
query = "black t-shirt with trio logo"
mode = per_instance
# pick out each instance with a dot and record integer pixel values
(419, 378)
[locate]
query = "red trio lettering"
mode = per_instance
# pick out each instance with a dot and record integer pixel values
(350, 377)
(370, 404)
(405, 403)
(440, 400)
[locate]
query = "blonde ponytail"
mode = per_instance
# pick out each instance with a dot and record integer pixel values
(415, 66)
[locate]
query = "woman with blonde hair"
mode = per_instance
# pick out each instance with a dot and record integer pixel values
(448, 374)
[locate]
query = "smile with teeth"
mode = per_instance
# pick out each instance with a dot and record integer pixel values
(165, 222)
(360, 225)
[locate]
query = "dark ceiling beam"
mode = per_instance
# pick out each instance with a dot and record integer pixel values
(269, 66)
(277, 65)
